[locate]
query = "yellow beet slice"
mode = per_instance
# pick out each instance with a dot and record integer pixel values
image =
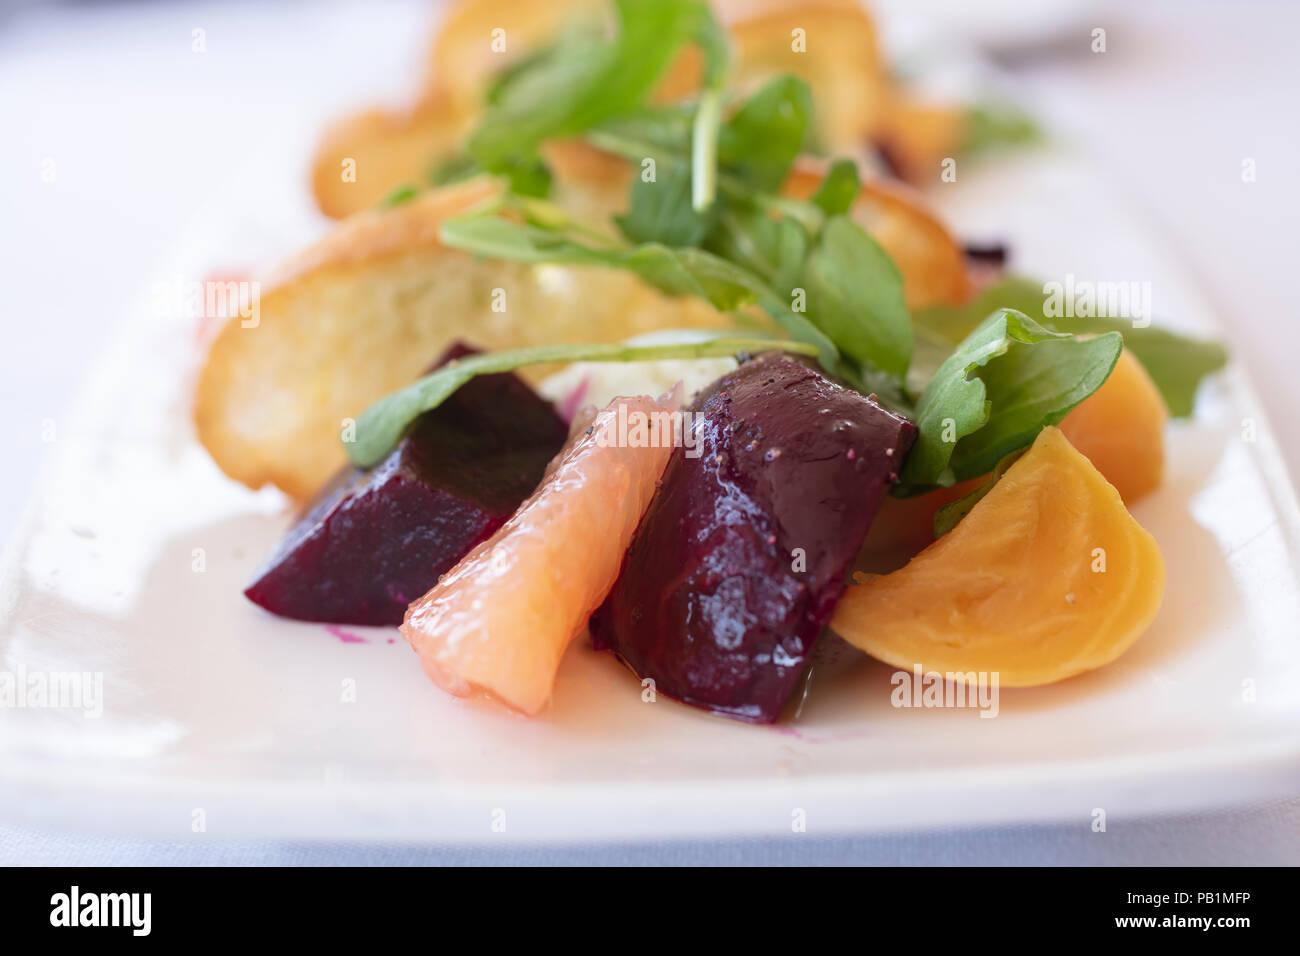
(1121, 429)
(1047, 577)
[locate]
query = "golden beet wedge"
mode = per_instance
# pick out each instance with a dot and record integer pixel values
(1121, 429)
(1047, 577)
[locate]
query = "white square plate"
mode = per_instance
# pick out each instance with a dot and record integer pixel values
(210, 704)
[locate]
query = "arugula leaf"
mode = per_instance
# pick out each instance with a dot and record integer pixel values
(855, 295)
(954, 322)
(651, 131)
(772, 247)
(452, 169)
(587, 78)
(853, 290)
(838, 189)
(400, 195)
(1030, 388)
(1008, 379)
(1176, 363)
(575, 32)
(662, 211)
(757, 147)
(381, 426)
(760, 143)
(527, 175)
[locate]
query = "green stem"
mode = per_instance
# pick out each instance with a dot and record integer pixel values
(704, 150)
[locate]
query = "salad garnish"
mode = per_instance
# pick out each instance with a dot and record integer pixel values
(980, 380)
(892, 419)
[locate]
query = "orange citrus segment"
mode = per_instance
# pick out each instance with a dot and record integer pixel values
(499, 621)
(1047, 577)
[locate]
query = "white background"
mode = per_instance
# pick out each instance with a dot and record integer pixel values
(139, 130)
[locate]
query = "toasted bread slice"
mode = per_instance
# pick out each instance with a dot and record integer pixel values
(919, 134)
(364, 312)
(362, 158)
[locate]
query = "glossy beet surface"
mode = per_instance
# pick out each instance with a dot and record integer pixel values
(376, 540)
(739, 561)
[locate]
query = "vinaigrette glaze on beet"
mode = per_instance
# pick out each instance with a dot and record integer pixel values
(742, 555)
(376, 540)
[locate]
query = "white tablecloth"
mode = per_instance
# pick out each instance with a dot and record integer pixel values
(1259, 835)
(133, 125)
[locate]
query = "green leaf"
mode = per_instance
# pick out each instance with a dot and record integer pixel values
(1029, 388)
(1176, 363)
(651, 131)
(838, 189)
(757, 147)
(400, 195)
(661, 210)
(853, 291)
(578, 31)
(990, 126)
(586, 78)
(1006, 380)
(528, 174)
(382, 425)
(453, 168)
(855, 296)
(760, 143)
(772, 247)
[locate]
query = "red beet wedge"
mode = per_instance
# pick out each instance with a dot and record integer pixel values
(376, 540)
(739, 561)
